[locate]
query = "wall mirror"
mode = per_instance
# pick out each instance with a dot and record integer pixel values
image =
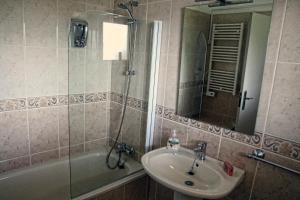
(223, 48)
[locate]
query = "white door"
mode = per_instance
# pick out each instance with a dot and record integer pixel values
(253, 73)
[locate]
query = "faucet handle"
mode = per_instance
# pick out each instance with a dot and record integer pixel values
(201, 146)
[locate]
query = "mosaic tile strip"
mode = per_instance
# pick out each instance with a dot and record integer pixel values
(76, 98)
(12, 104)
(254, 140)
(49, 101)
(131, 101)
(45, 101)
(167, 113)
(159, 110)
(214, 129)
(283, 147)
(63, 99)
(95, 97)
(115, 97)
(170, 114)
(195, 123)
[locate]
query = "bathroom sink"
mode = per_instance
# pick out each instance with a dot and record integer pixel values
(208, 179)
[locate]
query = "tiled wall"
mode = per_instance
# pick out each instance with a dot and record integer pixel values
(34, 81)
(278, 121)
(33, 88)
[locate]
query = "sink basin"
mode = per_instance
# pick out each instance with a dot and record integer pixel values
(171, 169)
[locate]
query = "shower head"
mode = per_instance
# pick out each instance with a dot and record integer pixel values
(125, 7)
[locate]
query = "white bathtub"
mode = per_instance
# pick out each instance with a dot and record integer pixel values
(89, 175)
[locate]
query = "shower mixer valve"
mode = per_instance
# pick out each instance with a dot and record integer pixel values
(125, 148)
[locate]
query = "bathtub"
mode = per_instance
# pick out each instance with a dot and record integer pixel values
(51, 181)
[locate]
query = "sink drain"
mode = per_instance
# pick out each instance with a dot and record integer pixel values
(189, 183)
(190, 173)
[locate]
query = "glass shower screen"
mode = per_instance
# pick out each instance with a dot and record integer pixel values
(97, 91)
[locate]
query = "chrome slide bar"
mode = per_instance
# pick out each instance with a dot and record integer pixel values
(259, 155)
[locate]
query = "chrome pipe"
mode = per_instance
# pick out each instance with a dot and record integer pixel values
(259, 155)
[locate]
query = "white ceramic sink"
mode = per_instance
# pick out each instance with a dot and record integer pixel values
(209, 179)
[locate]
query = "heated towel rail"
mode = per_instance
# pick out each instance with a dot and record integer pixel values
(225, 48)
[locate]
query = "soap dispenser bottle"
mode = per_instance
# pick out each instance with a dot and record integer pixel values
(173, 141)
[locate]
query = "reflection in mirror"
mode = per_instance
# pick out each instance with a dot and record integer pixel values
(222, 58)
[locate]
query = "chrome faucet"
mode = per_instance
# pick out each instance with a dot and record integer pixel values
(200, 150)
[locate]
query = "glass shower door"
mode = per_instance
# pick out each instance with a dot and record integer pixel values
(97, 88)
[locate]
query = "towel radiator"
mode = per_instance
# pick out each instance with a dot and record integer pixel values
(225, 48)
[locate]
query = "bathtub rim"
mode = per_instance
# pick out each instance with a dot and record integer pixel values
(111, 186)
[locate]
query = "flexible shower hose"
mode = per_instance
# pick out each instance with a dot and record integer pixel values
(133, 31)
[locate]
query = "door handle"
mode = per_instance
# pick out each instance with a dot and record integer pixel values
(245, 98)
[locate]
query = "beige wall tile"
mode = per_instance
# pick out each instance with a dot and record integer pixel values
(171, 82)
(41, 71)
(102, 3)
(161, 11)
(161, 79)
(40, 158)
(14, 164)
(77, 59)
(63, 126)
(97, 73)
(131, 128)
(233, 152)
(115, 117)
(283, 119)
(76, 118)
(63, 72)
(265, 95)
(71, 151)
(12, 76)
(284, 186)
(138, 86)
(278, 15)
(290, 42)
(142, 36)
(13, 135)
(95, 121)
(40, 22)
(96, 145)
(117, 76)
(11, 22)
(167, 128)
(196, 135)
(43, 129)
(176, 24)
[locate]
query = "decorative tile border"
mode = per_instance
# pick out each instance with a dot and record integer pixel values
(76, 98)
(49, 101)
(115, 97)
(12, 104)
(63, 100)
(45, 101)
(95, 97)
(159, 110)
(254, 140)
(168, 113)
(132, 102)
(280, 146)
